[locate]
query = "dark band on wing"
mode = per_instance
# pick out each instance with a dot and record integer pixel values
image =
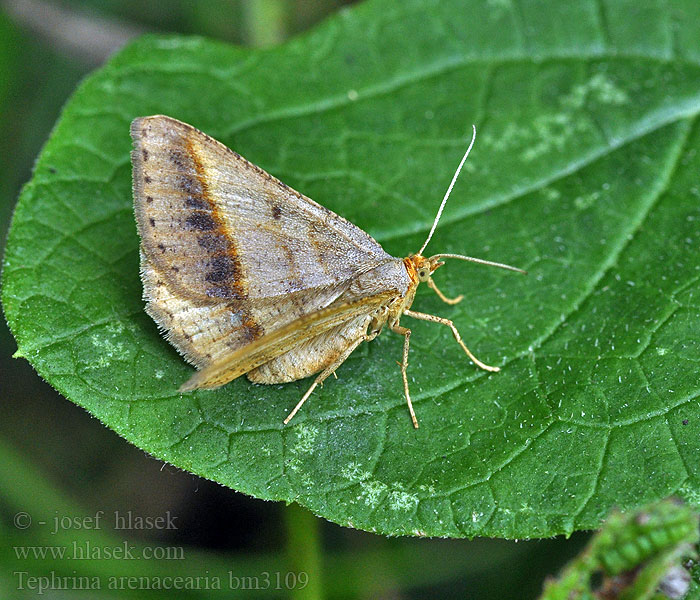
(224, 277)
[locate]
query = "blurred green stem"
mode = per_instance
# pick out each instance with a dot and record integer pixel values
(304, 552)
(265, 22)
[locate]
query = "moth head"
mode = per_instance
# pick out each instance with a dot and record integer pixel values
(424, 266)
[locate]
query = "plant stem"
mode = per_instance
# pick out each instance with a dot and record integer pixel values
(265, 22)
(304, 552)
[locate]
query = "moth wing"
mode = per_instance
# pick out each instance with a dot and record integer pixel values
(224, 240)
(280, 341)
(311, 355)
(204, 332)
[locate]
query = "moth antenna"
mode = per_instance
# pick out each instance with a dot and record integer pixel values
(481, 261)
(449, 190)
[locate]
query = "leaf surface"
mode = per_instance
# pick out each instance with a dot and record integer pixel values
(584, 172)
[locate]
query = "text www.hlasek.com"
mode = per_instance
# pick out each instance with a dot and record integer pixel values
(87, 551)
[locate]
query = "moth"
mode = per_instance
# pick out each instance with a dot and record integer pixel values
(245, 275)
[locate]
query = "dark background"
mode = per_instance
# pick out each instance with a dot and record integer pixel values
(56, 456)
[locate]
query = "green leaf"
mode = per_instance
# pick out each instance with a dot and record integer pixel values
(584, 172)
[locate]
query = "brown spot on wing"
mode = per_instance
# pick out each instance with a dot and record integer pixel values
(251, 330)
(201, 221)
(193, 201)
(177, 158)
(222, 269)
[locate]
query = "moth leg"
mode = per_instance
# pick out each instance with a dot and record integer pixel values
(455, 333)
(330, 370)
(406, 333)
(432, 286)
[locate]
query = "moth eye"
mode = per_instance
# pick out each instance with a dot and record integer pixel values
(423, 274)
